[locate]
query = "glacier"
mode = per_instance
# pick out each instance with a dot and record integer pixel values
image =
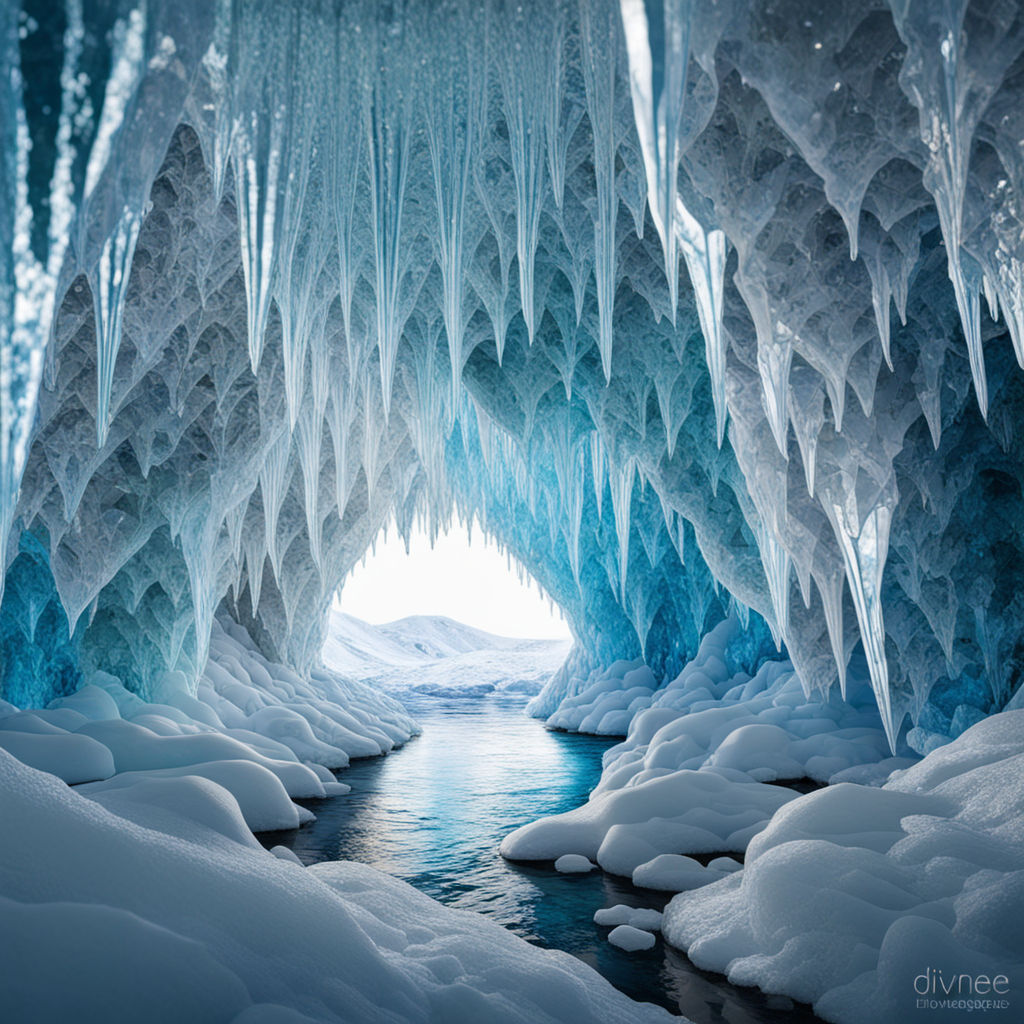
(687, 314)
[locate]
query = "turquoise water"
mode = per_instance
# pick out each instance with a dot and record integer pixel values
(434, 812)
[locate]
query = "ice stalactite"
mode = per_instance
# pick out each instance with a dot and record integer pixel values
(450, 240)
(865, 547)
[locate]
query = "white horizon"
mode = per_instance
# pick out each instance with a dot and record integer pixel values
(469, 581)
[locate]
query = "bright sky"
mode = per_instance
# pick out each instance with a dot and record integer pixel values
(470, 582)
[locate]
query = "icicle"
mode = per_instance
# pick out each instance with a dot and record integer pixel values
(777, 564)
(522, 66)
(341, 416)
(598, 468)
(273, 486)
(454, 115)
(256, 158)
(742, 613)
(659, 57)
(621, 481)
(865, 548)
(599, 30)
(773, 362)
(705, 254)
(311, 434)
(991, 296)
(389, 128)
(964, 274)
(831, 590)
(557, 134)
(110, 288)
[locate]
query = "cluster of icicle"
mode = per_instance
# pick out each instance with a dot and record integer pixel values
(618, 279)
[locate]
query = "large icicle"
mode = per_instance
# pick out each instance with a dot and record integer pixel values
(600, 44)
(658, 47)
(865, 546)
(109, 283)
(524, 82)
(389, 126)
(705, 254)
(454, 115)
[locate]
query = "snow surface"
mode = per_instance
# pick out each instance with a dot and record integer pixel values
(433, 655)
(690, 776)
(631, 939)
(645, 918)
(253, 727)
(167, 910)
(151, 892)
(574, 864)
(852, 892)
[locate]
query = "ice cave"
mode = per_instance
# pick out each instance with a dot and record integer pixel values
(710, 313)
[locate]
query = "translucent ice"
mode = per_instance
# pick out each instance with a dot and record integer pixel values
(274, 274)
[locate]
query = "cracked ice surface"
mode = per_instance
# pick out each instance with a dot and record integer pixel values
(272, 273)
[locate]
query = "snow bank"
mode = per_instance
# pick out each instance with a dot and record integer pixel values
(150, 912)
(254, 728)
(853, 893)
(690, 776)
(685, 811)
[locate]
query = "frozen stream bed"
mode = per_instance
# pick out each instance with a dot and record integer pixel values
(434, 813)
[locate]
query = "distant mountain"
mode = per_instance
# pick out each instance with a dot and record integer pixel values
(432, 654)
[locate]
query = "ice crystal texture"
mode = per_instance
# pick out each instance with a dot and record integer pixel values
(698, 308)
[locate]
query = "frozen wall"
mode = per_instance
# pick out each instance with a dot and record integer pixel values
(717, 310)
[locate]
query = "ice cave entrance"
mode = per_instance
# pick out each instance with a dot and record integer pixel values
(449, 616)
(461, 574)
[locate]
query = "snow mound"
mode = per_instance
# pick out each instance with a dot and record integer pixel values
(155, 914)
(573, 864)
(644, 918)
(254, 728)
(853, 892)
(631, 939)
(691, 775)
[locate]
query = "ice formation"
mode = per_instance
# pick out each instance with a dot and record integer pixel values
(683, 302)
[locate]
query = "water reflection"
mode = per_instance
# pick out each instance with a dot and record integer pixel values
(434, 813)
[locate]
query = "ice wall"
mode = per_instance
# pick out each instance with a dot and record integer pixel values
(698, 307)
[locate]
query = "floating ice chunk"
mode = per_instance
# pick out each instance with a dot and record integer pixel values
(631, 939)
(573, 864)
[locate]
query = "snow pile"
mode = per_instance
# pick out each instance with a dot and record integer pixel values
(853, 894)
(716, 714)
(573, 864)
(644, 918)
(253, 727)
(165, 909)
(631, 939)
(689, 778)
(435, 656)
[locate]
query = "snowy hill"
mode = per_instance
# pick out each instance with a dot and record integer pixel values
(435, 655)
